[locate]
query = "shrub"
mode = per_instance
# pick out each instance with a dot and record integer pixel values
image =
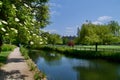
(8, 47)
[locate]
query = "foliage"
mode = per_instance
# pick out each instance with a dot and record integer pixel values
(24, 52)
(102, 34)
(21, 18)
(107, 55)
(37, 74)
(8, 47)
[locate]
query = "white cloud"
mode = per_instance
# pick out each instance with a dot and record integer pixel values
(54, 13)
(102, 20)
(51, 31)
(70, 30)
(54, 5)
(97, 22)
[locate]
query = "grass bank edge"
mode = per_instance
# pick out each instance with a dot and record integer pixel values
(107, 55)
(38, 75)
(6, 50)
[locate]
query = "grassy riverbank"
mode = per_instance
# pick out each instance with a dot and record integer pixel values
(87, 54)
(38, 75)
(6, 49)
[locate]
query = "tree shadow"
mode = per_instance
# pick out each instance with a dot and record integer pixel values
(12, 75)
(16, 60)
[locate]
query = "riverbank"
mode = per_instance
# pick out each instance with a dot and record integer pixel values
(19, 68)
(16, 68)
(107, 55)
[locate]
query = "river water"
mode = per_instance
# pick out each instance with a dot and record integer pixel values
(57, 66)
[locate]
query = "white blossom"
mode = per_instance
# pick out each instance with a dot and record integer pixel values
(41, 39)
(31, 43)
(32, 24)
(33, 20)
(25, 23)
(14, 30)
(6, 34)
(13, 6)
(3, 29)
(26, 5)
(41, 42)
(1, 3)
(20, 24)
(34, 34)
(17, 20)
(4, 22)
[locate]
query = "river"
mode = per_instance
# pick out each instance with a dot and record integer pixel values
(57, 66)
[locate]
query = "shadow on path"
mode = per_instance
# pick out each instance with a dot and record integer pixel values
(12, 75)
(16, 60)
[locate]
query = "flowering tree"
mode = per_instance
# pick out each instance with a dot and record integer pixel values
(20, 19)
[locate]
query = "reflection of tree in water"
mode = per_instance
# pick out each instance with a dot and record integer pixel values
(100, 71)
(51, 58)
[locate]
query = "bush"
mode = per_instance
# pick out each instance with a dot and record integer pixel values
(24, 52)
(8, 47)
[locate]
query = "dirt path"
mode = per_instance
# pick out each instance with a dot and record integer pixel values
(16, 68)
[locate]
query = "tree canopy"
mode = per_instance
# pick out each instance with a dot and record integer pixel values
(102, 34)
(21, 20)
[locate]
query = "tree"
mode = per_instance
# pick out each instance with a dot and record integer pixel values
(21, 18)
(54, 39)
(114, 28)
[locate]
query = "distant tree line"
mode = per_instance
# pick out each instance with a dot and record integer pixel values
(101, 34)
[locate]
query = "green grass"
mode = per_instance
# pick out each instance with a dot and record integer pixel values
(6, 49)
(110, 55)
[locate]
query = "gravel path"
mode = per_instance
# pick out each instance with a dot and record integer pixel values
(16, 68)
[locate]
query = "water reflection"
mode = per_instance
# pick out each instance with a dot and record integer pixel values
(60, 67)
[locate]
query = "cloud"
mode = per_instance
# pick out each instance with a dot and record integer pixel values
(102, 20)
(97, 22)
(51, 31)
(54, 5)
(52, 12)
(70, 30)
(53, 8)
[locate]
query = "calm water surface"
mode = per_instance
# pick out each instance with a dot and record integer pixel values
(59, 67)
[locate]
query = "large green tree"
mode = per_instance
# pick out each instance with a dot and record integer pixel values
(21, 20)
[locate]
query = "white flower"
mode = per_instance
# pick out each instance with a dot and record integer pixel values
(1, 3)
(26, 5)
(31, 43)
(4, 22)
(14, 30)
(20, 24)
(41, 39)
(34, 13)
(3, 29)
(45, 38)
(13, 6)
(32, 24)
(17, 20)
(34, 34)
(41, 42)
(33, 20)
(25, 23)
(6, 34)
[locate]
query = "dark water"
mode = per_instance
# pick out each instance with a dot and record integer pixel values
(59, 67)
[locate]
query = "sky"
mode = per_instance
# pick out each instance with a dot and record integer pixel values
(67, 15)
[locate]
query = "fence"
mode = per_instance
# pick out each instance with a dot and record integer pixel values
(114, 48)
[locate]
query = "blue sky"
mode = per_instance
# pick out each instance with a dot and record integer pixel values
(67, 15)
